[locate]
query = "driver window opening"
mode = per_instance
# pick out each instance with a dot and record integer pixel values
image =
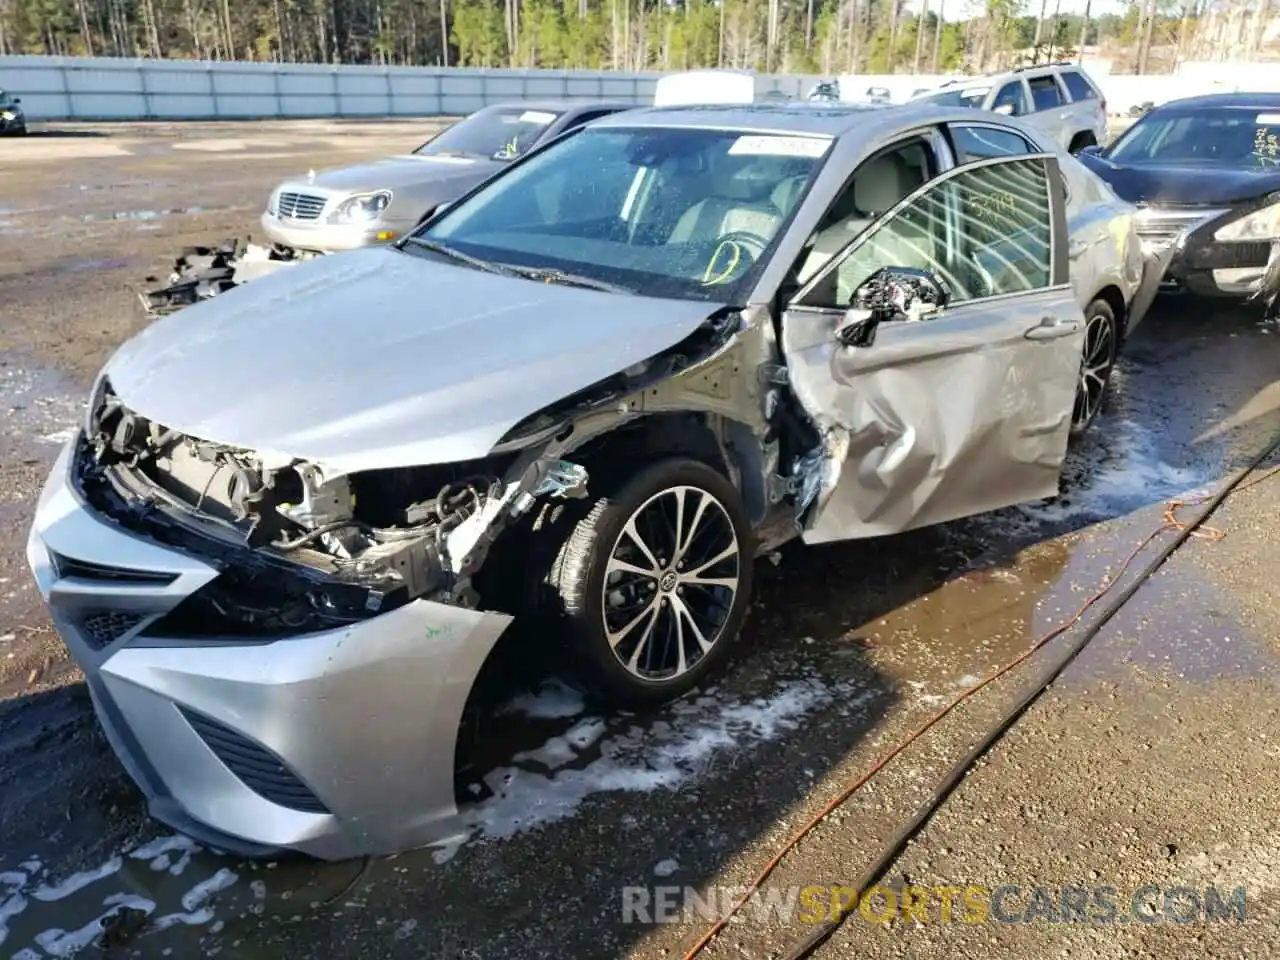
(879, 185)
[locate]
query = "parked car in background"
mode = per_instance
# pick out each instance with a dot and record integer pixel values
(1059, 98)
(587, 394)
(349, 207)
(1205, 172)
(12, 119)
(878, 95)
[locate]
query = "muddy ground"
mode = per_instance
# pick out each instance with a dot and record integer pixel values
(1153, 761)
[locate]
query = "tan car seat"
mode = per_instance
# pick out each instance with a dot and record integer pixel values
(876, 189)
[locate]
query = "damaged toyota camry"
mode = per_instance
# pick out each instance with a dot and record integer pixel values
(298, 516)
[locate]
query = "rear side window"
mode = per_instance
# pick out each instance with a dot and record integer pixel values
(982, 143)
(1078, 86)
(1012, 95)
(1045, 93)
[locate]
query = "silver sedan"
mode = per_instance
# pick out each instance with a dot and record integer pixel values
(347, 207)
(298, 517)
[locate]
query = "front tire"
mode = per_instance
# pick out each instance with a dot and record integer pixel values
(1097, 362)
(654, 583)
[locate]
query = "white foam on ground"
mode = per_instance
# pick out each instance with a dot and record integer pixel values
(554, 700)
(660, 756)
(162, 845)
(1128, 473)
(76, 882)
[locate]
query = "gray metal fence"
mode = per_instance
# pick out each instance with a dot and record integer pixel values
(72, 88)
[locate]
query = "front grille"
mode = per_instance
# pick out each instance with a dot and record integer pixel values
(1249, 253)
(85, 570)
(257, 767)
(99, 630)
(300, 206)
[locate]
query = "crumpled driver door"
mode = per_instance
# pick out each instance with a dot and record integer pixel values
(963, 411)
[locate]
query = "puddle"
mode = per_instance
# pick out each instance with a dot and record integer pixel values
(1178, 627)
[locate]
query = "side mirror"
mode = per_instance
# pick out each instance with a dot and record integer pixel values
(890, 294)
(1005, 108)
(1092, 149)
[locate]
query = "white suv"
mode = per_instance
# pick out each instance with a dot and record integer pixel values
(1060, 98)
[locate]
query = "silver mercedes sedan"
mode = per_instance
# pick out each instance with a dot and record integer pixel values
(347, 207)
(298, 516)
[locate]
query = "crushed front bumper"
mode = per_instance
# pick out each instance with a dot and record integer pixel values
(334, 744)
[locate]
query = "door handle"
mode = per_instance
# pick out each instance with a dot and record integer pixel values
(1077, 247)
(1051, 328)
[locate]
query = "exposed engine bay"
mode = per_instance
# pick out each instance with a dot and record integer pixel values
(298, 551)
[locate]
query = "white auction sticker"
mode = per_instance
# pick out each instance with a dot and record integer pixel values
(771, 146)
(1265, 118)
(536, 116)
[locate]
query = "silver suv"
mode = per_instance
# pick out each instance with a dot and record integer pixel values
(1059, 98)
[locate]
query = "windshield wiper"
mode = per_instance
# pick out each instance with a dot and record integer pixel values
(569, 279)
(461, 257)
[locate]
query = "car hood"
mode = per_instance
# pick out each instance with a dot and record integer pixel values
(379, 358)
(392, 172)
(1191, 186)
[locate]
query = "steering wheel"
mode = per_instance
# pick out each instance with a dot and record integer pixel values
(752, 243)
(736, 251)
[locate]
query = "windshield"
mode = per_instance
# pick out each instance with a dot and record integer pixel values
(675, 212)
(501, 134)
(959, 97)
(1228, 137)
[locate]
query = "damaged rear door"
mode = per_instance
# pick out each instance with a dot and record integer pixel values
(966, 408)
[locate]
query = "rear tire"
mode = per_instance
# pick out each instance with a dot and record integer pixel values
(632, 578)
(1097, 362)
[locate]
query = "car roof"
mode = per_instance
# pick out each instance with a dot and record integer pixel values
(1235, 99)
(870, 120)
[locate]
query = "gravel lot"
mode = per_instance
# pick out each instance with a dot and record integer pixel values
(1153, 761)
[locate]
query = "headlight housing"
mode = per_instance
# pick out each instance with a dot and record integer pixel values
(362, 208)
(1263, 224)
(273, 202)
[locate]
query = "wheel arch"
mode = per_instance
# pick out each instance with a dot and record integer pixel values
(1082, 139)
(728, 445)
(1114, 298)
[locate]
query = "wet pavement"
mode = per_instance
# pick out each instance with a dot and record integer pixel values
(1162, 736)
